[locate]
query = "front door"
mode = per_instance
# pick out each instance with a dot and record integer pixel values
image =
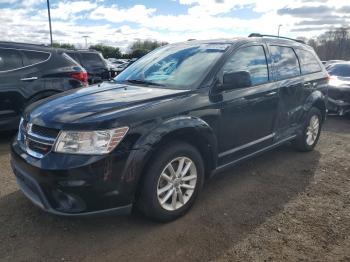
(247, 114)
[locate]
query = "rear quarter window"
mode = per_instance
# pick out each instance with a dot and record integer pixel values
(285, 62)
(308, 62)
(34, 57)
(10, 59)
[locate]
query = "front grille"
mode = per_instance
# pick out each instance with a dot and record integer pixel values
(36, 140)
(45, 131)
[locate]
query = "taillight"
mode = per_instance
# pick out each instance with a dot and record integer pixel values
(81, 76)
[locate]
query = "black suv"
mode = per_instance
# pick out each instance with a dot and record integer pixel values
(94, 64)
(184, 111)
(29, 73)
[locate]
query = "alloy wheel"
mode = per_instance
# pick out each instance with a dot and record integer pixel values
(177, 183)
(312, 130)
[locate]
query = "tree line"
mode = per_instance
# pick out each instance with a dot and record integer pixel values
(333, 44)
(136, 49)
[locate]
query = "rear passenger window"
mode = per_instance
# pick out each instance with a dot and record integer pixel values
(251, 59)
(285, 61)
(10, 59)
(34, 57)
(308, 62)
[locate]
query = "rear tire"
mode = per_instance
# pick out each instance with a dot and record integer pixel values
(311, 131)
(172, 182)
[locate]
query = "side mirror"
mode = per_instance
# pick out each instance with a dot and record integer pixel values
(234, 80)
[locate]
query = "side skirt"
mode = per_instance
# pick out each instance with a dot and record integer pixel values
(228, 165)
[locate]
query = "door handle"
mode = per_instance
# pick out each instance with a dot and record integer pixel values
(271, 94)
(29, 78)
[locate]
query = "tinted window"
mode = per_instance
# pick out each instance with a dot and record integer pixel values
(92, 59)
(75, 57)
(10, 59)
(342, 70)
(251, 59)
(285, 61)
(34, 57)
(308, 62)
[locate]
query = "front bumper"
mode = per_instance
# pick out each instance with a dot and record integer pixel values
(75, 185)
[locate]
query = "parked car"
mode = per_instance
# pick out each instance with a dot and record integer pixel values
(29, 73)
(112, 68)
(339, 88)
(152, 136)
(93, 62)
(331, 62)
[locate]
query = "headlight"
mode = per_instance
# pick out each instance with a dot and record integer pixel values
(89, 142)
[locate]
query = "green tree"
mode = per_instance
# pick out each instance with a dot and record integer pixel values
(142, 47)
(107, 51)
(63, 45)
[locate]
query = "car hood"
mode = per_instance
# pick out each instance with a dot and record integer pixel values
(338, 81)
(95, 103)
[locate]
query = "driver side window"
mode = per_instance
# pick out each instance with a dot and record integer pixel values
(250, 59)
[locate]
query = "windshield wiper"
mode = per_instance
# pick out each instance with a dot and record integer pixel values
(145, 82)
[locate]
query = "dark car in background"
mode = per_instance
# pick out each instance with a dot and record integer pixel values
(152, 136)
(339, 88)
(29, 73)
(94, 63)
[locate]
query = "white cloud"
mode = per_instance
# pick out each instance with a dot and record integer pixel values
(205, 19)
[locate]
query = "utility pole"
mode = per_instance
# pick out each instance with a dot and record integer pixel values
(279, 26)
(86, 44)
(49, 14)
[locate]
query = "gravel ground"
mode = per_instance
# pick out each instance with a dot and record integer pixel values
(281, 206)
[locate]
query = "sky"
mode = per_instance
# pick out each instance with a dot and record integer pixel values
(119, 23)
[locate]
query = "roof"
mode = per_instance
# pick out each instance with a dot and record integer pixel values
(244, 40)
(39, 47)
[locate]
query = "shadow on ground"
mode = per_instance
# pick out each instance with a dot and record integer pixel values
(231, 205)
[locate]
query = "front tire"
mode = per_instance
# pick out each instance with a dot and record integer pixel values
(172, 182)
(311, 131)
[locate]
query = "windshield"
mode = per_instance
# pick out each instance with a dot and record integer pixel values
(342, 70)
(180, 66)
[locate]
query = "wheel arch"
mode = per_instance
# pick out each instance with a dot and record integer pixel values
(191, 130)
(317, 99)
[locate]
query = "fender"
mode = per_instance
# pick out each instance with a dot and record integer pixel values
(148, 143)
(315, 98)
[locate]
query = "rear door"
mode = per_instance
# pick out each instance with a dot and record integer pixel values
(248, 114)
(20, 79)
(288, 79)
(11, 73)
(314, 78)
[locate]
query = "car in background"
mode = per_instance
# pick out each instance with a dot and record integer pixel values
(112, 67)
(339, 88)
(94, 64)
(331, 62)
(29, 73)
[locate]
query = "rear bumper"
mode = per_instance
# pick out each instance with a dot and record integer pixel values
(94, 188)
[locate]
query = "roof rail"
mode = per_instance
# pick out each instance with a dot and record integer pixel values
(282, 37)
